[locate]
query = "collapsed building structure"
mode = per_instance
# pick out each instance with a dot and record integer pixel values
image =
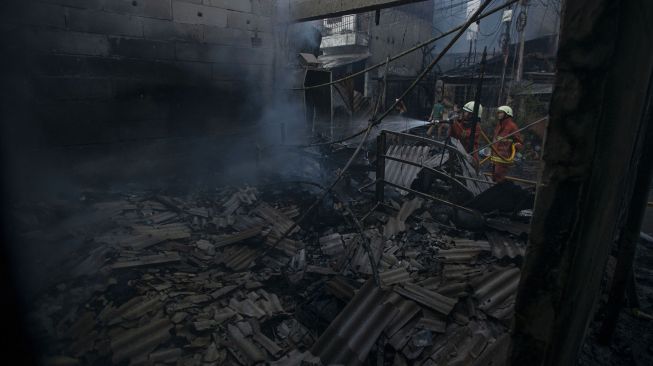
(403, 256)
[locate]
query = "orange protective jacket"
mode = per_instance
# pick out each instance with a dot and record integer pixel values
(502, 145)
(462, 133)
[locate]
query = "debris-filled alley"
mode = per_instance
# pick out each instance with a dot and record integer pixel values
(319, 182)
(199, 279)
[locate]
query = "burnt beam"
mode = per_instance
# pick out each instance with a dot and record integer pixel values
(593, 156)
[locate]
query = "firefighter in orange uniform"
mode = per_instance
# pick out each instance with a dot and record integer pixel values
(462, 128)
(504, 148)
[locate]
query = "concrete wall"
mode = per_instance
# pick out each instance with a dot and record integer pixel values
(401, 28)
(87, 78)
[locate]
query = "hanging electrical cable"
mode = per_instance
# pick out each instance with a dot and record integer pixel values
(406, 52)
(374, 122)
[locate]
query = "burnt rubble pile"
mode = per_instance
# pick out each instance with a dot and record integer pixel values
(206, 281)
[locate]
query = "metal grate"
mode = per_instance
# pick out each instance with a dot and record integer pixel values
(340, 25)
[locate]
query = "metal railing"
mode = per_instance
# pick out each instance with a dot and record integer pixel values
(382, 156)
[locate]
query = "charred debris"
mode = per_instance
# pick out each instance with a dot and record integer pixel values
(210, 277)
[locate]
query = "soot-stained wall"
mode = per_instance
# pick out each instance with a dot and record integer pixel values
(117, 87)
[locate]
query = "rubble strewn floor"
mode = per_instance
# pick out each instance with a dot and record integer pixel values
(197, 280)
(632, 343)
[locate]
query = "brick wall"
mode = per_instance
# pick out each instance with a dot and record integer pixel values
(92, 77)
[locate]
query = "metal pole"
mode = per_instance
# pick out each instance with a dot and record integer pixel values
(331, 96)
(521, 25)
(505, 45)
(477, 102)
(380, 167)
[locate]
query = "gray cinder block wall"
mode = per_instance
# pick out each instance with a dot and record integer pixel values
(95, 85)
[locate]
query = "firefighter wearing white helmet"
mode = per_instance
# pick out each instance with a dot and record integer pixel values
(469, 107)
(504, 146)
(461, 128)
(505, 109)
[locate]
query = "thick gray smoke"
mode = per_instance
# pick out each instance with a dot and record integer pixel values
(283, 121)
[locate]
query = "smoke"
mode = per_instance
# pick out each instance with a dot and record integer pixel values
(282, 120)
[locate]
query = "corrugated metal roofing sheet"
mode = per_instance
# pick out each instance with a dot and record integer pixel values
(459, 255)
(404, 174)
(224, 240)
(407, 310)
(394, 276)
(280, 222)
(400, 173)
(332, 244)
(350, 336)
(428, 298)
(503, 246)
(243, 196)
(140, 341)
(493, 289)
(360, 261)
(288, 246)
(239, 259)
(469, 171)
